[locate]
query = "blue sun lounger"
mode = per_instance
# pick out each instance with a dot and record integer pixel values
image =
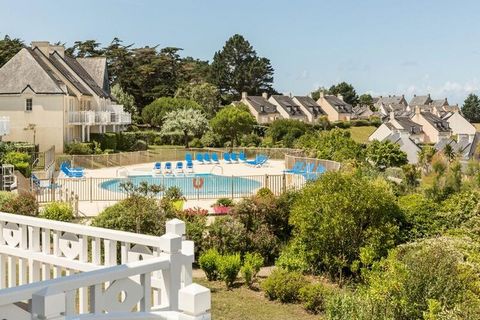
(242, 157)
(215, 158)
(199, 158)
(179, 167)
(188, 157)
(189, 167)
(315, 174)
(168, 168)
(234, 157)
(297, 168)
(259, 161)
(226, 158)
(206, 158)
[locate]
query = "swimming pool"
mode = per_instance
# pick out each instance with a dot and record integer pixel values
(192, 184)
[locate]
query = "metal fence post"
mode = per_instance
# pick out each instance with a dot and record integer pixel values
(91, 190)
(284, 182)
(232, 187)
(266, 181)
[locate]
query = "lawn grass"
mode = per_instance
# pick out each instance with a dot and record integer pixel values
(242, 303)
(361, 134)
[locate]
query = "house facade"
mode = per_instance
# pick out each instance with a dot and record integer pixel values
(259, 106)
(287, 108)
(434, 128)
(53, 99)
(335, 108)
(310, 108)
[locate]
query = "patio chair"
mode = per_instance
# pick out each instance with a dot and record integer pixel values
(215, 158)
(188, 157)
(206, 158)
(157, 168)
(189, 167)
(297, 167)
(234, 157)
(259, 161)
(315, 174)
(179, 167)
(227, 158)
(168, 168)
(199, 158)
(242, 157)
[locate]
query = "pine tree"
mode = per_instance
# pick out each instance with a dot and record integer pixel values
(471, 108)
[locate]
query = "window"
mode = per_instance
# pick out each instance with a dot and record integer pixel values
(28, 105)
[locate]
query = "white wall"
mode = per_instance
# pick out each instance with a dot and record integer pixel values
(460, 125)
(381, 133)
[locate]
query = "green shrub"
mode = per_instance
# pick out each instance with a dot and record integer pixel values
(158, 141)
(25, 204)
(139, 145)
(228, 268)
(252, 263)
(342, 124)
(78, 148)
(196, 143)
(251, 140)
(109, 141)
(292, 258)
(224, 202)
(313, 297)
(209, 263)
(126, 140)
(59, 211)
(20, 160)
(227, 235)
(247, 274)
(5, 198)
(264, 193)
(284, 286)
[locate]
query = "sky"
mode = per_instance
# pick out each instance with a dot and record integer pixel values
(382, 47)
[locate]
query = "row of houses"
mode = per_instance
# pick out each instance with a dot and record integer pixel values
(53, 99)
(303, 108)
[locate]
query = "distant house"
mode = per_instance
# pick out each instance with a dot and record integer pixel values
(364, 113)
(390, 100)
(335, 108)
(62, 98)
(310, 108)
(420, 100)
(399, 109)
(259, 106)
(287, 108)
(464, 146)
(434, 128)
(459, 125)
(398, 125)
(407, 145)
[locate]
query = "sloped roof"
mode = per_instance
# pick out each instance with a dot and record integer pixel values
(287, 104)
(438, 123)
(394, 100)
(409, 125)
(85, 76)
(97, 68)
(261, 105)
(25, 70)
(55, 59)
(339, 105)
(439, 102)
(311, 105)
(420, 100)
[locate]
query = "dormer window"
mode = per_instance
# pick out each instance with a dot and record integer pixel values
(262, 109)
(28, 104)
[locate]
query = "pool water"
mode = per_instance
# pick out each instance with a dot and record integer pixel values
(191, 184)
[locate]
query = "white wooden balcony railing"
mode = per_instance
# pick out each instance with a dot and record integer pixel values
(99, 117)
(4, 126)
(55, 270)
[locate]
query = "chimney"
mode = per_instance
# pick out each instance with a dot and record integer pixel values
(43, 46)
(265, 95)
(414, 95)
(322, 94)
(244, 95)
(339, 96)
(403, 96)
(59, 49)
(392, 115)
(417, 110)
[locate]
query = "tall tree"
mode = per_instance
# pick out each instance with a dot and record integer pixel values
(125, 99)
(347, 91)
(87, 48)
(205, 94)
(184, 122)
(366, 100)
(471, 108)
(156, 111)
(8, 48)
(237, 68)
(233, 121)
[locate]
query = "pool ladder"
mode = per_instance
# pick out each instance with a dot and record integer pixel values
(217, 166)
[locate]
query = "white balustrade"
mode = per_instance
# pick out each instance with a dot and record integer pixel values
(57, 270)
(81, 117)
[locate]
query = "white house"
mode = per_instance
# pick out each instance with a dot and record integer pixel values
(259, 106)
(287, 108)
(55, 99)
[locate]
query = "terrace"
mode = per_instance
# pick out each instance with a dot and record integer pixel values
(55, 270)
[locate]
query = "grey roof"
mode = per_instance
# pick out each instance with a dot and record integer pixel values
(287, 104)
(395, 107)
(463, 147)
(439, 124)
(97, 68)
(56, 60)
(311, 105)
(409, 125)
(391, 100)
(261, 105)
(420, 100)
(24, 70)
(85, 76)
(440, 102)
(406, 144)
(339, 105)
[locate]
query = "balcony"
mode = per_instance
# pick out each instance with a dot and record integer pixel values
(4, 126)
(55, 270)
(99, 117)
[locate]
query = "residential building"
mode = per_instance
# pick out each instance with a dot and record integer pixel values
(420, 100)
(310, 108)
(464, 146)
(364, 113)
(390, 100)
(398, 125)
(287, 108)
(407, 145)
(434, 128)
(4, 126)
(259, 106)
(459, 125)
(56, 99)
(335, 108)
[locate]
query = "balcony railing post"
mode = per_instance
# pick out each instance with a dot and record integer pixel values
(48, 305)
(171, 245)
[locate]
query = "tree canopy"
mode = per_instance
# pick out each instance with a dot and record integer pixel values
(471, 108)
(346, 90)
(233, 121)
(205, 94)
(286, 131)
(237, 68)
(386, 154)
(8, 48)
(156, 111)
(184, 122)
